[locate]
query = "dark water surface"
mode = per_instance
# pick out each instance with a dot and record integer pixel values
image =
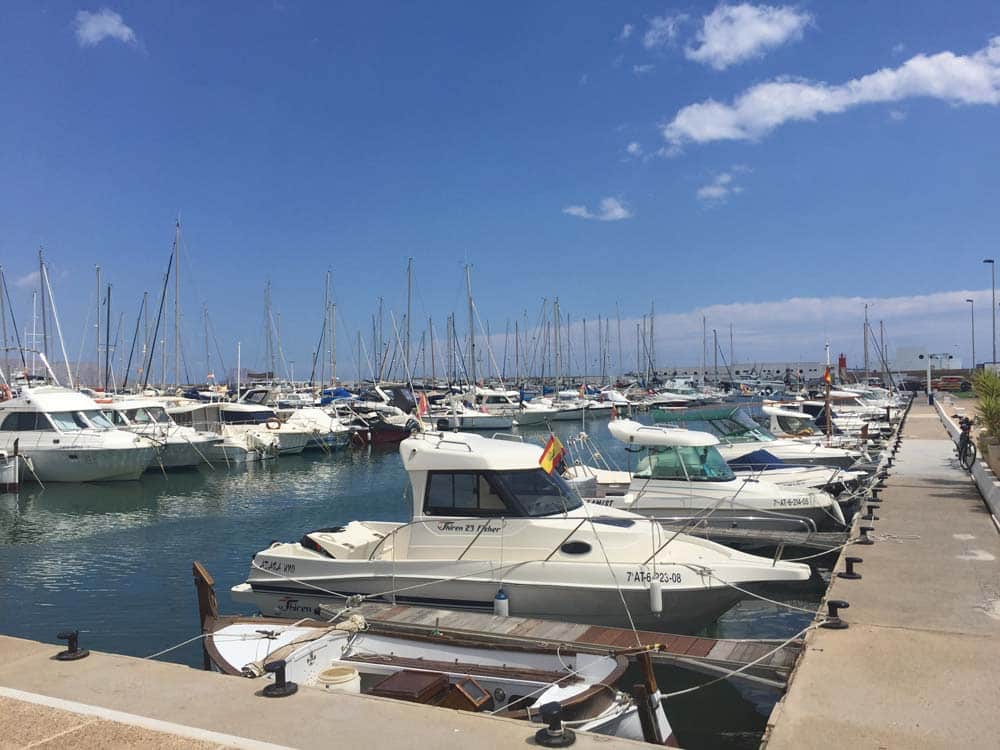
(114, 561)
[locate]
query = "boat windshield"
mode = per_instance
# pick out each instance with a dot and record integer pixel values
(247, 417)
(529, 493)
(98, 420)
(796, 425)
(68, 421)
(148, 415)
(697, 464)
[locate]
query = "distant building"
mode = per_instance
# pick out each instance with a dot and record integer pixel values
(764, 370)
(914, 358)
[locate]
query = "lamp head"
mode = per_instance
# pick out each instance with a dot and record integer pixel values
(972, 301)
(988, 260)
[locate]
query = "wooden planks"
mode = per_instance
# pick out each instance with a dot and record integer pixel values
(719, 654)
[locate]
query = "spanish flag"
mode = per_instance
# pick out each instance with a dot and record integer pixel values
(826, 376)
(550, 456)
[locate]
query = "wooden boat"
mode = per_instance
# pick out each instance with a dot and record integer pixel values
(349, 654)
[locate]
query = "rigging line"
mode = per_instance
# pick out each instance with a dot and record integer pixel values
(83, 335)
(10, 308)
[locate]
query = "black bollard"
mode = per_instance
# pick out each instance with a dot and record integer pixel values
(870, 515)
(73, 650)
(875, 494)
(280, 688)
(833, 621)
(850, 574)
(865, 539)
(555, 734)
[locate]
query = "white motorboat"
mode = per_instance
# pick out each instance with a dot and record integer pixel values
(683, 476)
(325, 428)
(454, 414)
(177, 447)
(238, 445)
(62, 436)
(487, 518)
(245, 417)
(508, 403)
(459, 672)
(739, 434)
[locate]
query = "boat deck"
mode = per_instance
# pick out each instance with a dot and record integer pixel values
(771, 661)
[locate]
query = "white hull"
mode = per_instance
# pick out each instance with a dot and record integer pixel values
(50, 464)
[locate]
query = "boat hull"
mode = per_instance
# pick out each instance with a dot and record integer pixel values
(86, 465)
(686, 610)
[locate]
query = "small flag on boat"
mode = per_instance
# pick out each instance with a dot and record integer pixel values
(422, 407)
(614, 411)
(826, 376)
(551, 455)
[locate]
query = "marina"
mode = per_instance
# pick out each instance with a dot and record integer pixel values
(421, 376)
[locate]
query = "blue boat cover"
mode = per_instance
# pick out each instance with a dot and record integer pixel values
(759, 459)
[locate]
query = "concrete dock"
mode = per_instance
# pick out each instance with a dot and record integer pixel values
(107, 701)
(919, 665)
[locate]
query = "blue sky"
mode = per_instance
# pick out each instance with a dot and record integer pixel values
(773, 167)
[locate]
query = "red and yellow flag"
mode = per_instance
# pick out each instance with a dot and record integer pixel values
(826, 376)
(550, 456)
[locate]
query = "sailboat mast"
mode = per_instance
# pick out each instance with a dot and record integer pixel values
(472, 326)
(409, 285)
(3, 323)
(556, 343)
(208, 352)
(45, 333)
(652, 339)
(107, 343)
(333, 343)
(430, 330)
(732, 358)
(177, 304)
(585, 356)
(97, 326)
(267, 324)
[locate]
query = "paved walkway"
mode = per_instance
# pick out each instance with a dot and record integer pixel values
(919, 666)
(106, 701)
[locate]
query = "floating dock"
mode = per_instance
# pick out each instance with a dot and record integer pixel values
(918, 665)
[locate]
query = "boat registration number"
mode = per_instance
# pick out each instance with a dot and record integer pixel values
(644, 576)
(792, 502)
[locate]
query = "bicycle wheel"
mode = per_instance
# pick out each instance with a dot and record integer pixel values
(968, 456)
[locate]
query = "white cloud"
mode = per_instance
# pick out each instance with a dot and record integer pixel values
(897, 115)
(897, 49)
(642, 69)
(958, 79)
(627, 30)
(94, 28)
(662, 30)
(584, 79)
(731, 34)
(611, 210)
(633, 149)
(719, 189)
(27, 281)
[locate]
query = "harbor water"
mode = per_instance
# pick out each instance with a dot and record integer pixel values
(114, 561)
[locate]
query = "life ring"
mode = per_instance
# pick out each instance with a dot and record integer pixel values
(273, 423)
(5, 392)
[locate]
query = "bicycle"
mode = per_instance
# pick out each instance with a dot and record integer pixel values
(966, 446)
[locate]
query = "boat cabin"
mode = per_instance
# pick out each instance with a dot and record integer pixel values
(673, 454)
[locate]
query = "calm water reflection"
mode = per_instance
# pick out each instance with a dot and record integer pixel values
(114, 560)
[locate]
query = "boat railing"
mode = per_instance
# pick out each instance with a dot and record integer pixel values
(700, 521)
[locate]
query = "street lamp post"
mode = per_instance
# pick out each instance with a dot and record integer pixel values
(929, 357)
(993, 277)
(972, 303)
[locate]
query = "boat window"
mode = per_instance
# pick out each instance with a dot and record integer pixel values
(117, 418)
(138, 416)
(795, 425)
(699, 464)
(158, 414)
(463, 494)
(68, 421)
(97, 419)
(535, 493)
(247, 417)
(26, 421)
